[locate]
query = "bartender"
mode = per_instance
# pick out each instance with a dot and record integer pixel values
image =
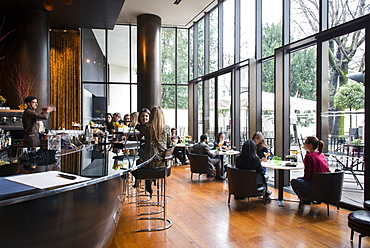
(30, 118)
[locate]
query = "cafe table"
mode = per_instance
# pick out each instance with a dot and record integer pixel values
(281, 169)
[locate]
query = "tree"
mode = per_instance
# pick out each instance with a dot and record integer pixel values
(343, 50)
(350, 96)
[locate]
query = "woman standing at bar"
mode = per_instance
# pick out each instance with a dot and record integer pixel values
(157, 140)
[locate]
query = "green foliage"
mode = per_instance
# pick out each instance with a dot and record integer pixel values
(350, 96)
(271, 38)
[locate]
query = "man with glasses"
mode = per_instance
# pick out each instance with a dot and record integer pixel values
(30, 118)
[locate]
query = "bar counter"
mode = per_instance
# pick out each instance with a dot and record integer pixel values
(76, 215)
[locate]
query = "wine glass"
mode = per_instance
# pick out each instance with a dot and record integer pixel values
(266, 155)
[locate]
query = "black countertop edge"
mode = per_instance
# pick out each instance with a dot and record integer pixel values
(66, 188)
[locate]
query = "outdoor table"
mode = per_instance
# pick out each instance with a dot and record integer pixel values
(281, 169)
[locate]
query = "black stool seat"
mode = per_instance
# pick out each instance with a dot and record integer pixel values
(359, 221)
(367, 205)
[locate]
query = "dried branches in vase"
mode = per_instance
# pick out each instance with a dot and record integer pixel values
(22, 81)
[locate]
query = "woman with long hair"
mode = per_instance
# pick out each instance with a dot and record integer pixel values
(314, 161)
(109, 122)
(134, 119)
(248, 160)
(157, 139)
(262, 147)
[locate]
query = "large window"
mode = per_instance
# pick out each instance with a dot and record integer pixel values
(119, 54)
(341, 11)
(304, 18)
(302, 97)
(247, 29)
(271, 26)
(228, 33)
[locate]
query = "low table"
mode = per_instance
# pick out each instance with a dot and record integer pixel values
(281, 169)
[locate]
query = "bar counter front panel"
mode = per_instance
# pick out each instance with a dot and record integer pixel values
(78, 215)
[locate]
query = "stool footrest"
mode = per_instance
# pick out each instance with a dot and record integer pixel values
(156, 229)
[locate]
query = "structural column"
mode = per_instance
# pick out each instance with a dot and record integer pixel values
(24, 55)
(149, 55)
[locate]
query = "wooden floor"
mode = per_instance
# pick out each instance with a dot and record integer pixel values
(202, 218)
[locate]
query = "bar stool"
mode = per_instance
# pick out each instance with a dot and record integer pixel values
(359, 221)
(159, 176)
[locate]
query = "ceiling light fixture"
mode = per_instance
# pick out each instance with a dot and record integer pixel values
(49, 5)
(177, 2)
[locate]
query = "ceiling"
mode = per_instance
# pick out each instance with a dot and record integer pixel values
(80, 14)
(101, 14)
(172, 15)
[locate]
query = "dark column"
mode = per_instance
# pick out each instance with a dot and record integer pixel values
(148, 61)
(26, 54)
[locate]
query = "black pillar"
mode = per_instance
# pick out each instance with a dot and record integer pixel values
(149, 59)
(25, 54)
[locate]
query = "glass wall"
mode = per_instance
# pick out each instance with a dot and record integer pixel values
(341, 11)
(304, 18)
(302, 97)
(228, 33)
(247, 29)
(244, 105)
(272, 35)
(213, 40)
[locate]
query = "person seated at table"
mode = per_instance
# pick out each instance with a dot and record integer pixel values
(222, 144)
(117, 118)
(133, 119)
(203, 148)
(157, 140)
(181, 153)
(262, 147)
(143, 118)
(248, 160)
(314, 161)
(109, 122)
(126, 119)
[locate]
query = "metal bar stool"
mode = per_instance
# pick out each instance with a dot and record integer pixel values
(158, 197)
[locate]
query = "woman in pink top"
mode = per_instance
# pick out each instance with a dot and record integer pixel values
(314, 161)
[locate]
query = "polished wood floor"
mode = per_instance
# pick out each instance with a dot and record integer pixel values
(202, 218)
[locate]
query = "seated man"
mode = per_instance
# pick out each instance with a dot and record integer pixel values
(180, 152)
(203, 148)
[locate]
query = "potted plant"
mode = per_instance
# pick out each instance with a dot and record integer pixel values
(2, 100)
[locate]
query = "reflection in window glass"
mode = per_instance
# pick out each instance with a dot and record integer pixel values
(118, 54)
(168, 55)
(94, 103)
(182, 109)
(191, 53)
(118, 92)
(201, 47)
(93, 56)
(229, 34)
(182, 56)
(133, 54)
(200, 109)
(268, 102)
(212, 108)
(302, 97)
(341, 11)
(271, 26)
(224, 105)
(134, 98)
(213, 40)
(247, 29)
(304, 18)
(168, 104)
(346, 110)
(244, 86)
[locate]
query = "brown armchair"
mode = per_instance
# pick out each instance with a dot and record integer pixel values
(199, 164)
(243, 183)
(326, 187)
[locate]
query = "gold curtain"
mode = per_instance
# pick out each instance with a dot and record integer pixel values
(65, 82)
(65, 86)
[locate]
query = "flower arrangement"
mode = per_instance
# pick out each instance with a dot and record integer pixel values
(2, 99)
(23, 106)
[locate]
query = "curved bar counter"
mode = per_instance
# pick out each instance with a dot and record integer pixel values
(77, 215)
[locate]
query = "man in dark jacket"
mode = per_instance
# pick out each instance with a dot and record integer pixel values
(30, 118)
(203, 149)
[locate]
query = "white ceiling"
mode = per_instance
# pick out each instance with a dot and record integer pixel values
(172, 15)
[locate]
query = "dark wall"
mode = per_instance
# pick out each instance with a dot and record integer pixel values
(24, 53)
